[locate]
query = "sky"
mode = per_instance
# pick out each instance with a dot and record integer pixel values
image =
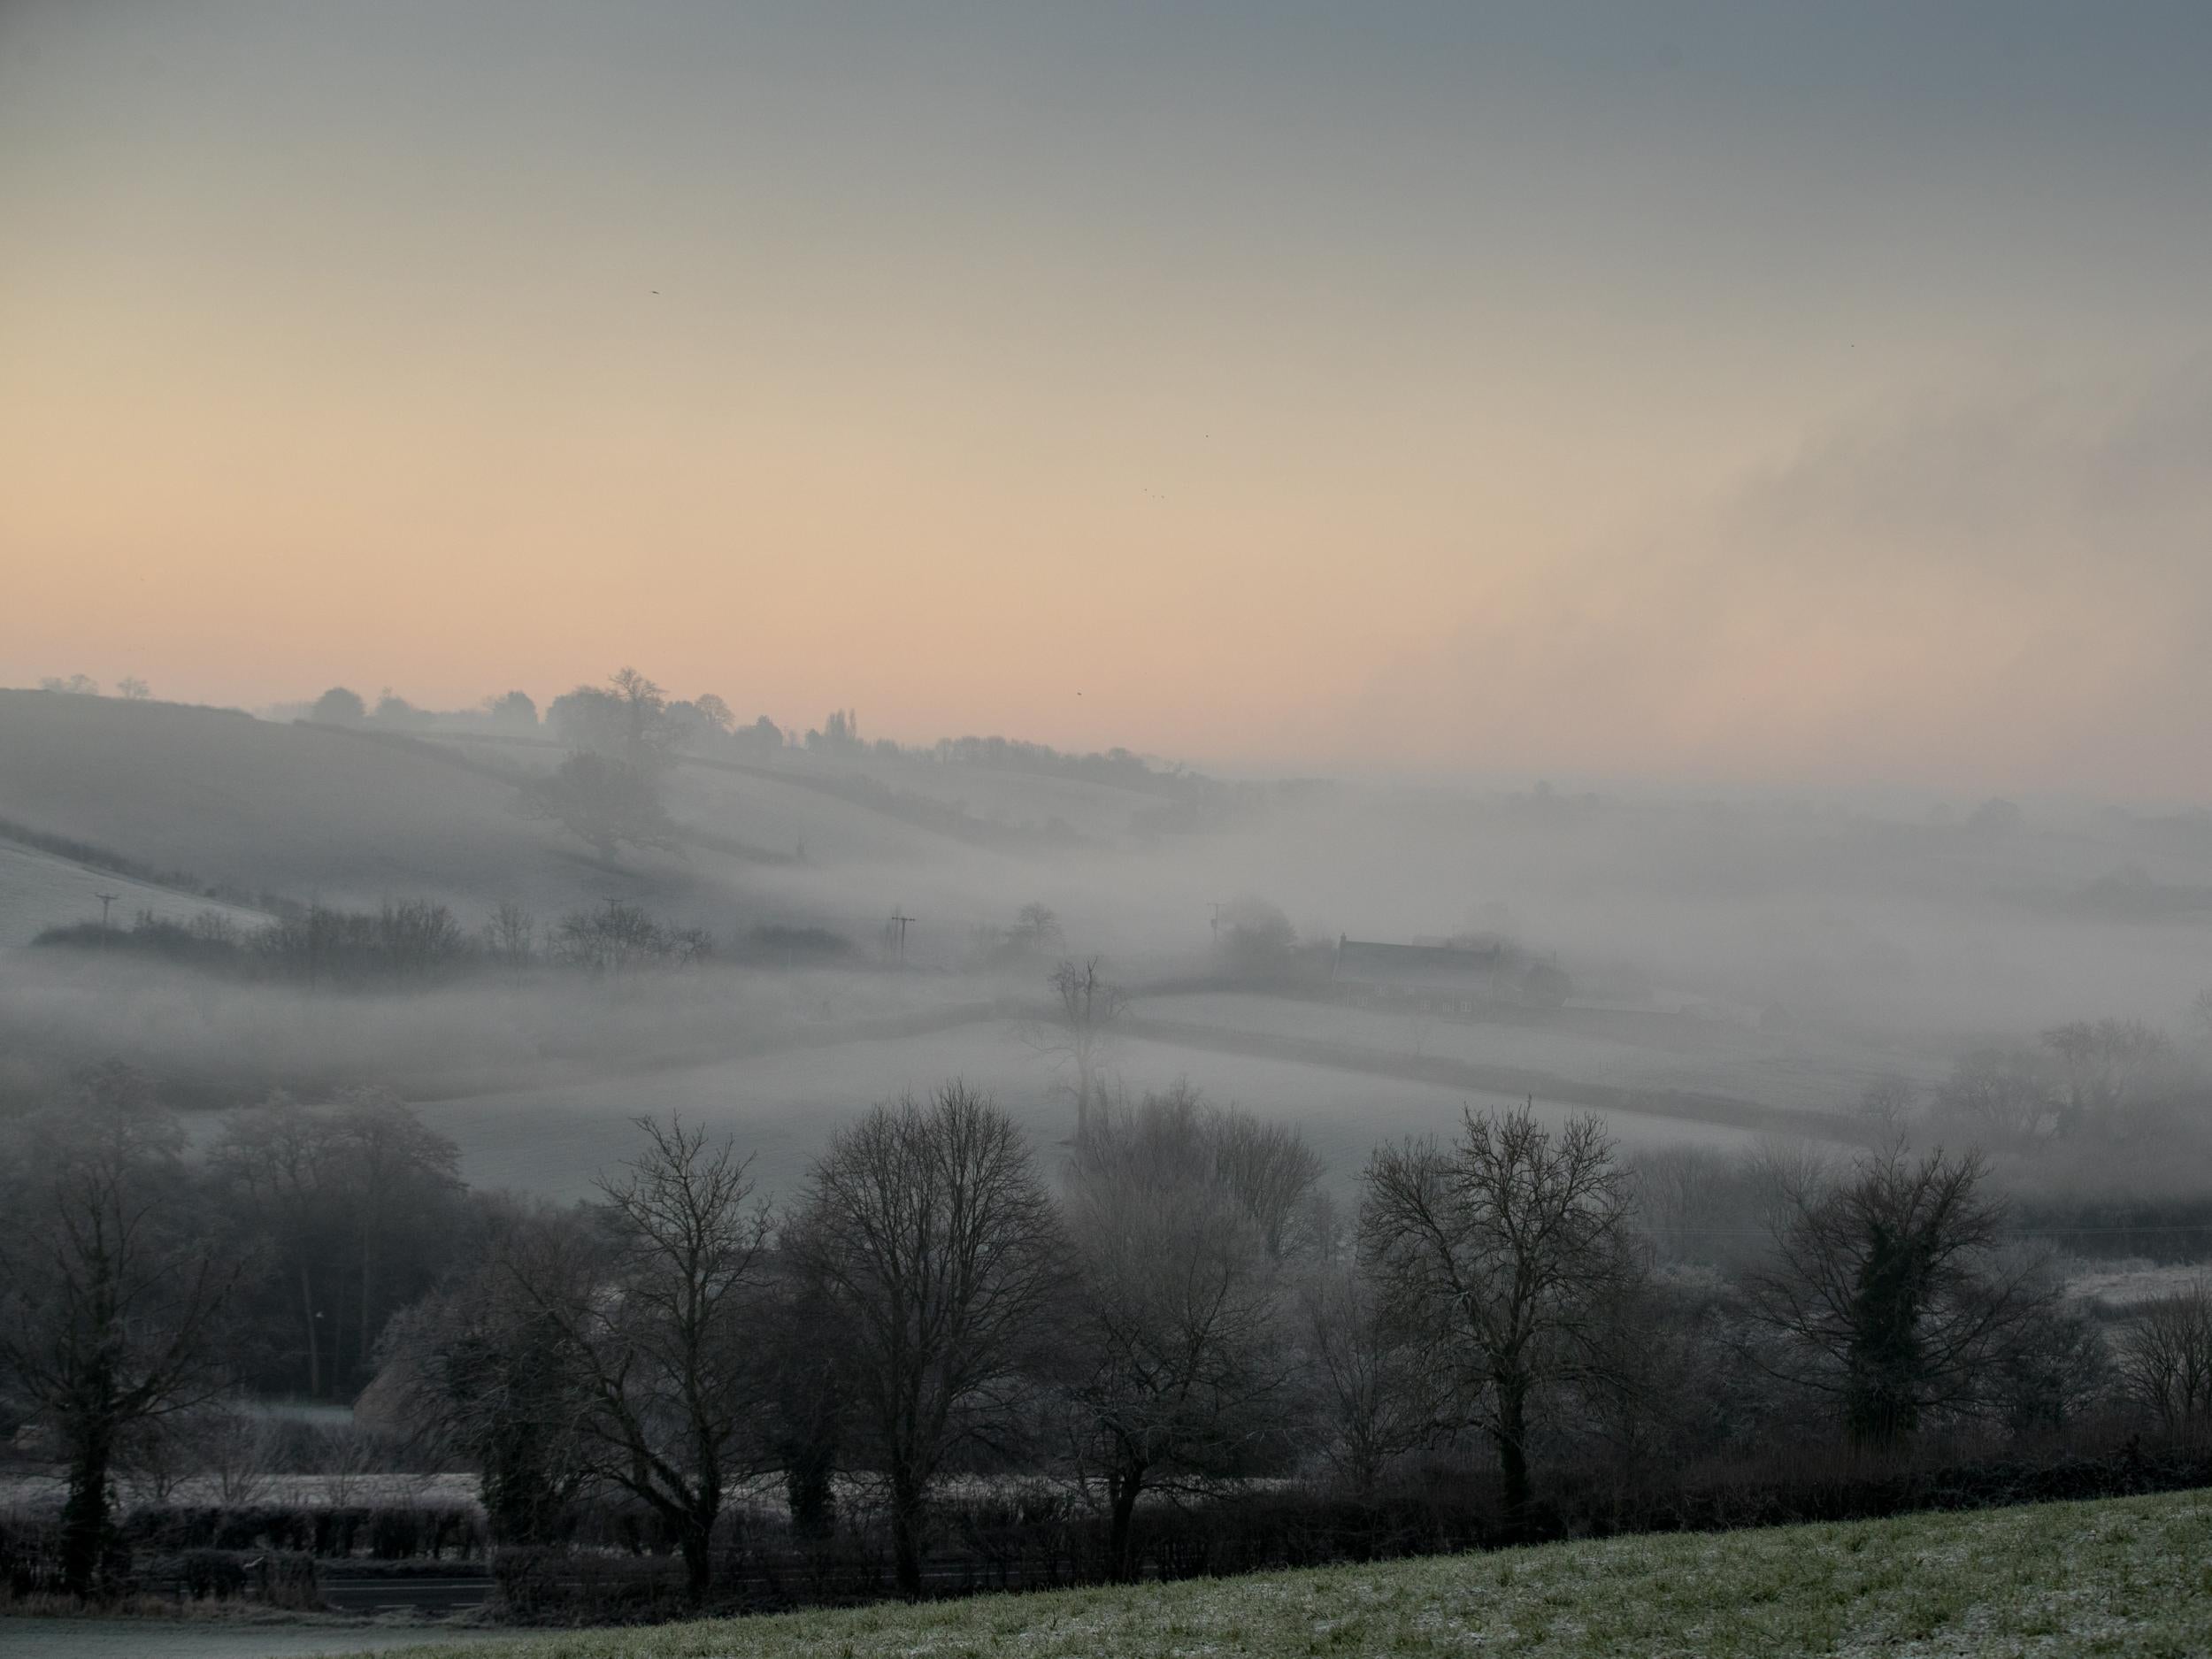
(1760, 392)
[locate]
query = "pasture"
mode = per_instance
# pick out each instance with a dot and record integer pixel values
(2123, 1576)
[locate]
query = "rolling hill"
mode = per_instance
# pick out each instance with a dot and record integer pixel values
(311, 812)
(2122, 1576)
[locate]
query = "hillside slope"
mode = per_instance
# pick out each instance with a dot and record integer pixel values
(2120, 1576)
(312, 812)
(293, 810)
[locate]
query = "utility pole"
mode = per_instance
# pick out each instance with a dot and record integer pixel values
(896, 932)
(106, 899)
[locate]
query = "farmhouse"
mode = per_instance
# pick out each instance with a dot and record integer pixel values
(1460, 977)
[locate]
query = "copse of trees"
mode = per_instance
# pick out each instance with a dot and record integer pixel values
(411, 944)
(2085, 1077)
(339, 706)
(1525, 1332)
(354, 1208)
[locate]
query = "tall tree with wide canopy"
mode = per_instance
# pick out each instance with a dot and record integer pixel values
(925, 1225)
(113, 1278)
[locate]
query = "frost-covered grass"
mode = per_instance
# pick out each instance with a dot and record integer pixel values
(2123, 1575)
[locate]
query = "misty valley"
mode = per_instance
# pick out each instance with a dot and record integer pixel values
(480, 1169)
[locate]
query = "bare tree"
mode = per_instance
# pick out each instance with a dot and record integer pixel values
(1036, 928)
(510, 935)
(480, 1374)
(927, 1229)
(131, 688)
(2166, 1359)
(1894, 1294)
(659, 1330)
(1378, 1396)
(232, 1445)
(110, 1290)
(602, 801)
(356, 1204)
(1887, 1105)
(275, 1157)
(1078, 1032)
(1180, 1366)
(2005, 1094)
(398, 1173)
(1510, 1251)
(1269, 1171)
(714, 713)
(2104, 1066)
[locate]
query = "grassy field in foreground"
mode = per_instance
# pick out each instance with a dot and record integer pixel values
(2123, 1576)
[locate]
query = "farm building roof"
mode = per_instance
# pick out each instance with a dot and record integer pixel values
(1369, 962)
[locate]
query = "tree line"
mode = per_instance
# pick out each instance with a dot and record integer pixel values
(1176, 1307)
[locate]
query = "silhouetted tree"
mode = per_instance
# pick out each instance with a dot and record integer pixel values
(2104, 1066)
(661, 1330)
(1510, 1252)
(355, 1205)
(603, 801)
(1256, 936)
(625, 721)
(481, 1375)
(1376, 1393)
(1078, 1032)
(926, 1229)
(513, 708)
(1891, 1290)
(2166, 1358)
(2004, 1096)
(340, 707)
(1180, 1364)
(110, 1284)
(510, 935)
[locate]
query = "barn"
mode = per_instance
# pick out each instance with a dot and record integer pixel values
(1460, 977)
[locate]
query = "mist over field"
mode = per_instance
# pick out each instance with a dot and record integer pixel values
(808, 805)
(532, 1136)
(1775, 953)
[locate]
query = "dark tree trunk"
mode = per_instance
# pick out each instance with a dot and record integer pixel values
(697, 1540)
(1513, 1450)
(1121, 1487)
(906, 1534)
(1882, 1390)
(314, 1346)
(807, 1488)
(84, 1515)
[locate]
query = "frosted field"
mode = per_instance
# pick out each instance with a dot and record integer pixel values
(785, 1106)
(2122, 1577)
(38, 891)
(1798, 1069)
(212, 1638)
